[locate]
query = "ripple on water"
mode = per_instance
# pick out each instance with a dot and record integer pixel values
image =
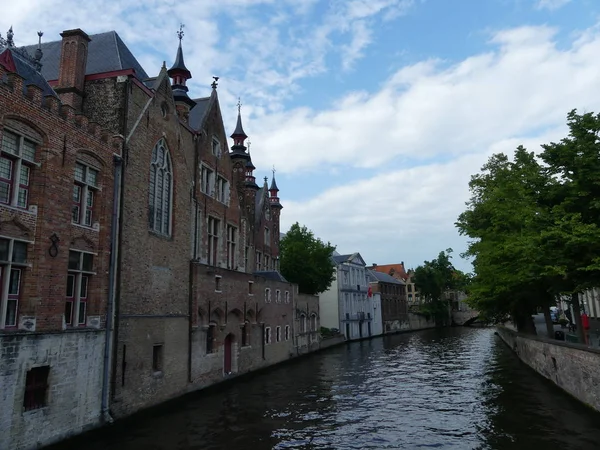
(449, 389)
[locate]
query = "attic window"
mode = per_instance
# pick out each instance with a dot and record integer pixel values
(216, 147)
(164, 110)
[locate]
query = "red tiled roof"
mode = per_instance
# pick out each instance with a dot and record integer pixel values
(395, 270)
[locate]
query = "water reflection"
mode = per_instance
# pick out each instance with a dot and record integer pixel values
(451, 389)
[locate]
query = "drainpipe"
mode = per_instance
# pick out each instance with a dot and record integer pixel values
(118, 162)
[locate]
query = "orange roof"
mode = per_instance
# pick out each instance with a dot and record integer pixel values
(395, 270)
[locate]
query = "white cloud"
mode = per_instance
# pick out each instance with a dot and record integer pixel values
(551, 4)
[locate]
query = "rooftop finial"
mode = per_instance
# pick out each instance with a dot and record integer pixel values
(273, 171)
(239, 105)
(248, 147)
(214, 84)
(180, 33)
(9, 37)
(38, 53)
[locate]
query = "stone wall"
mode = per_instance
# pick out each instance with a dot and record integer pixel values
(74, 386)
(574, 368)
(418, 322)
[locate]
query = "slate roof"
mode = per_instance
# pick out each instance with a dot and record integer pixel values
(375, 276)
(106, 53)
(12, 60)
(197, 112)
(271, 275)
(338, 259)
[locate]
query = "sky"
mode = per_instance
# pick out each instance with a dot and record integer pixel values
(374, 113)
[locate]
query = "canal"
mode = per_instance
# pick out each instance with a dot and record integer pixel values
(455, 388)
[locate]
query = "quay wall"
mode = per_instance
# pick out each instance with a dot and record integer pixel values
(572, 367)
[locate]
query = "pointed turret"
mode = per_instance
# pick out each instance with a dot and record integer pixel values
(179, 75)
(274, 192)
(249, 171)
(238, 149)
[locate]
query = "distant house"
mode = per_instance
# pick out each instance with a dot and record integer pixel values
(394, 309)
(399, 272)
(346, 305)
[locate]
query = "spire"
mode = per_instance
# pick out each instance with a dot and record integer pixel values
(38, 52)
(273, 192)
(238, 149)
(179, 75)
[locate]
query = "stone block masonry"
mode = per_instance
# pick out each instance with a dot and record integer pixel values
(74, 384)
(573, 368)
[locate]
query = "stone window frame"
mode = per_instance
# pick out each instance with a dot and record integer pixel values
(77, 297)
(267, 236)
(14, 264)
(267, 336)
(160, 190)
(215, 146)
(207, 180)
(18, 161)
(302, 323)
(222, 190)
(258, 261)
(232, 233)
(277, 296)
(287, 297)
(278, 333)
(158, 358)
(287, 332)
(212, 249)
(250, 288)
(267, 295)
(87, 188)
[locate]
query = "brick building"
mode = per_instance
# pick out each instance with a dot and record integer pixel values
(57, 171)
(308, 323)
(160, 275)
(394, 309)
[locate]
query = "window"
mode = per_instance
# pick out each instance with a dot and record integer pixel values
(266, 262)
(217, 283)
(258, 260)
(278, 334)
(216, 147)
(222, 193)
(246, 253)
(78, 280)
(267, 237)
(208, 180)
(287, 296)
(245, 335)
(84, 191)
(287, 332)
(213, 240)
(231, 247)
(302, 323)
(36, 386)
(409, 287)
(250, 286)
(157, 358)
(210, 338)
(313, 322)
(267, 335)
(268, 295)
(13, 260)
(160, 187)
(16, 163)
(277, 296)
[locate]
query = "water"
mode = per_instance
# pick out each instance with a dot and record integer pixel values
(455, 388)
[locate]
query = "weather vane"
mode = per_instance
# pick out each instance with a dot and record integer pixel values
(180, 33)
(214, 83)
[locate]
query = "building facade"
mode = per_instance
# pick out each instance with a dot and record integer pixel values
(308, 323)
(392, 293)
(160, 275)
(346, 304)
(55, 254)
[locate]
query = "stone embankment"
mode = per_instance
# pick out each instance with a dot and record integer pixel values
(572, 367)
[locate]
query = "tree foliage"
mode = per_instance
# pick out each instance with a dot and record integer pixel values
(306, 260)
(433, 279)
(534, 225)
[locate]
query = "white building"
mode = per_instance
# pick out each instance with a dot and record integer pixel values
(346, 304)
(377, 327)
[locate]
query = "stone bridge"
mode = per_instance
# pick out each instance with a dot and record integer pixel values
(464, 317)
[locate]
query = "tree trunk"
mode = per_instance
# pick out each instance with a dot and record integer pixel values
(524, 323)
(577, 318)
(549, 324)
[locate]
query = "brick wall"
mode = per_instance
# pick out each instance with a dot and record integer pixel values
(308, 336)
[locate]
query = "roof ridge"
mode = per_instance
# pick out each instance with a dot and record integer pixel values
(115, 36)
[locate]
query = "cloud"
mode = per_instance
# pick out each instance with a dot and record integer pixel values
(552, 5)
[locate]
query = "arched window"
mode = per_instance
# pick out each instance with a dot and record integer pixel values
(160, 189)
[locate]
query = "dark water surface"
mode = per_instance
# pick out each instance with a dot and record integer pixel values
(455, 388)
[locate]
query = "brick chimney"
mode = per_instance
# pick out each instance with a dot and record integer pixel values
(73, 61)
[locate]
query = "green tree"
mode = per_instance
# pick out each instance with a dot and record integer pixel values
(306, 260)
(433, 279)
(505, 217)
